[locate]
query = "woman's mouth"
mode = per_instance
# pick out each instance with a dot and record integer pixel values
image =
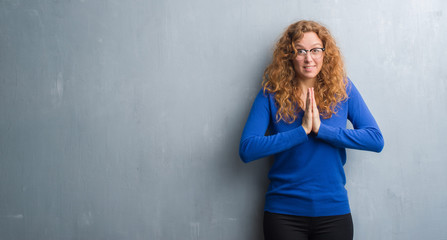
(309, 68)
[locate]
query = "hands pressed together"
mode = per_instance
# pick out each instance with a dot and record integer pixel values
(311, 118)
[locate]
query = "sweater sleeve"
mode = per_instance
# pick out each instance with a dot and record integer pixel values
(254, 144)
(366, 134)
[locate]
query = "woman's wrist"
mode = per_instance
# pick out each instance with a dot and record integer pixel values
(316, 129)
(306, 130)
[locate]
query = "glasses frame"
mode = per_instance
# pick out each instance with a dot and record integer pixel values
(310, 50)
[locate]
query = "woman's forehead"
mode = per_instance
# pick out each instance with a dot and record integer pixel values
(309, 39)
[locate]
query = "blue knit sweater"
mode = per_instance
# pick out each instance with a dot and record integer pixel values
(307, 177)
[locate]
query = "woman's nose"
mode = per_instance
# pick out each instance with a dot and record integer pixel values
(308, 58)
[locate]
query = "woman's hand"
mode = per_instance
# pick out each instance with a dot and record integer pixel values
(311, 118)
(308, 118)
(315, 115)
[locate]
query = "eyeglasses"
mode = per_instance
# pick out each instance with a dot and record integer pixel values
(315, 53)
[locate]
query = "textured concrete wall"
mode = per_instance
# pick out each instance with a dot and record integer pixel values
(122, 119)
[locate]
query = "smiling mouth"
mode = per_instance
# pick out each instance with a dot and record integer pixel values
(309, 67)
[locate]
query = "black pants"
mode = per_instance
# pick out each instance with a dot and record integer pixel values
(289, 227)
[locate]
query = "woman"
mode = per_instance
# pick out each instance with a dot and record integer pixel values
(305, 103)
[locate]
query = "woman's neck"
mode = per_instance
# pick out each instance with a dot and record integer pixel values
(304, 84)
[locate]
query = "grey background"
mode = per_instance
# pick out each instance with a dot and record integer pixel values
(122, 119)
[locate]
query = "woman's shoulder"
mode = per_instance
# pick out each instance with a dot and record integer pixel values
(264, 97)
(351, 89)
(349, 83)
(350, 86)
(265, 93)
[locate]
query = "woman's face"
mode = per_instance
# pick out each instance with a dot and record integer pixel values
(307, 67)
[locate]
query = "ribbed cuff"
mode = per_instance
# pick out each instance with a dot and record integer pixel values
(297, 136)
(327, 133)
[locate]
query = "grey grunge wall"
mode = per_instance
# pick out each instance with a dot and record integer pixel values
(122, 119)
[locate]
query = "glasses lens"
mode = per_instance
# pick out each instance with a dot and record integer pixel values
(316, 53)
(302, 52)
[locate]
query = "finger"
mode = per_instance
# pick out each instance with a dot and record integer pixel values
(313, 98)
(315, 105)
(311, 101)
(307, 100)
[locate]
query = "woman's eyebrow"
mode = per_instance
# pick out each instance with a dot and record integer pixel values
(315, 44)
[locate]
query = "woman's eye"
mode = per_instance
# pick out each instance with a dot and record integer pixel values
(302, 51)
(316, 50)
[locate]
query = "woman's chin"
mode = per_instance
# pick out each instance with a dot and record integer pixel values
(307, 76)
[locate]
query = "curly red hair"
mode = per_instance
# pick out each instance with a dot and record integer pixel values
(279, 76)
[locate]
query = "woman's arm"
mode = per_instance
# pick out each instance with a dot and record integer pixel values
(254, 144)
(366, 134)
